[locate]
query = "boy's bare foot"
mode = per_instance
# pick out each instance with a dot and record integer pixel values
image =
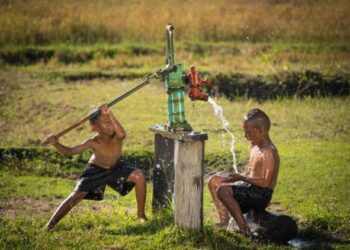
(142, 219)
(245, 232)
(48, 227)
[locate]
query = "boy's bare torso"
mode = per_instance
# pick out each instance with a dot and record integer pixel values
(258, 166)
(106, 153)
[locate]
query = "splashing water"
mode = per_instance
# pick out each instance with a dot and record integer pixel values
(220, 113)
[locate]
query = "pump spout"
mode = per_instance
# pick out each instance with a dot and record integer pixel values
(195, 95)
(194, 84)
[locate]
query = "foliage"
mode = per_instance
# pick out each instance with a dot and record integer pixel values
(129, 60)
(47, 162)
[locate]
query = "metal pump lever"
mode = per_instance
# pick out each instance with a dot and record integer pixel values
(160, 73)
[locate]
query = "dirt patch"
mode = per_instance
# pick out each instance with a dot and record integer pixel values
(14, 207)
(275, 207)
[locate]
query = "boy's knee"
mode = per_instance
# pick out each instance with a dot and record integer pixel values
(211, 181)
(138, 176)
(77, 196)
(223, 192)
(214, 181)
(80, 194)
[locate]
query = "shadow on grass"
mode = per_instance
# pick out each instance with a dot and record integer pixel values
(155, 224)
(162, 229)
(311, 237)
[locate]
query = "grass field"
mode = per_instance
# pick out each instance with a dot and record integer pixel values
(42, 22)
(110, 224)
(58, 59)
(43, 107)
(28, 201)
(311, 135)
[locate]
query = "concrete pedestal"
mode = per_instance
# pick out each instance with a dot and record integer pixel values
(185, 153)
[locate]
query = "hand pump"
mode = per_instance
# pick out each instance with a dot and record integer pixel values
(175, 86)
(176, 82)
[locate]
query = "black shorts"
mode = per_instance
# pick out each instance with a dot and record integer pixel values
(252, 197)
(94, 180)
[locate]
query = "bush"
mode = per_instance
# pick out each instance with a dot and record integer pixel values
(261, 88)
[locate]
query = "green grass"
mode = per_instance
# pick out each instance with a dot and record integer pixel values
(311, 134)
(111, 223)
(50, 51)
(111, 230)
(312, 183)
(92, 225)
(43, 107)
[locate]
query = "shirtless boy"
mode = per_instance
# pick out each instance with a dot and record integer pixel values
(104, 167)
(258, 183)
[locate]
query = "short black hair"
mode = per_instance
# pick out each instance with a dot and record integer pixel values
(93, 115)
(259, 119)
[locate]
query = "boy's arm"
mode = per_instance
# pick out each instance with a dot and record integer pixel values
(118, 128)
(247, 166)
(69, 151)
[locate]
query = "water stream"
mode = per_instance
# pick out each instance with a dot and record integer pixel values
(220, 113)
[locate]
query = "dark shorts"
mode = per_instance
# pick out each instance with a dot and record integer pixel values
(252, 197)
(94, 180)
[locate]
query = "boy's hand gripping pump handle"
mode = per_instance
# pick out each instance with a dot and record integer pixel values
(161, 72)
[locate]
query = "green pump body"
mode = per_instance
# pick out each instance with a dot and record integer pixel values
(175, 86)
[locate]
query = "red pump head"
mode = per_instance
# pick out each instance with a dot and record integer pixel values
(194, 84)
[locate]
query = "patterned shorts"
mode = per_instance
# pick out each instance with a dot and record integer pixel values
(94, 180)
(252, 197)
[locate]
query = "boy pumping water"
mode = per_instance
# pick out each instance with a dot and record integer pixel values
(258, 183)
(104, 167)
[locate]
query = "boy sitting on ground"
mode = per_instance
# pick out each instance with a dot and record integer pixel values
(258, 183)
(104, 167)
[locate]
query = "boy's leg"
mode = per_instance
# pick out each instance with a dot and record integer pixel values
(139, 179)
(226, 196)
(73, 199)
(214, 182)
